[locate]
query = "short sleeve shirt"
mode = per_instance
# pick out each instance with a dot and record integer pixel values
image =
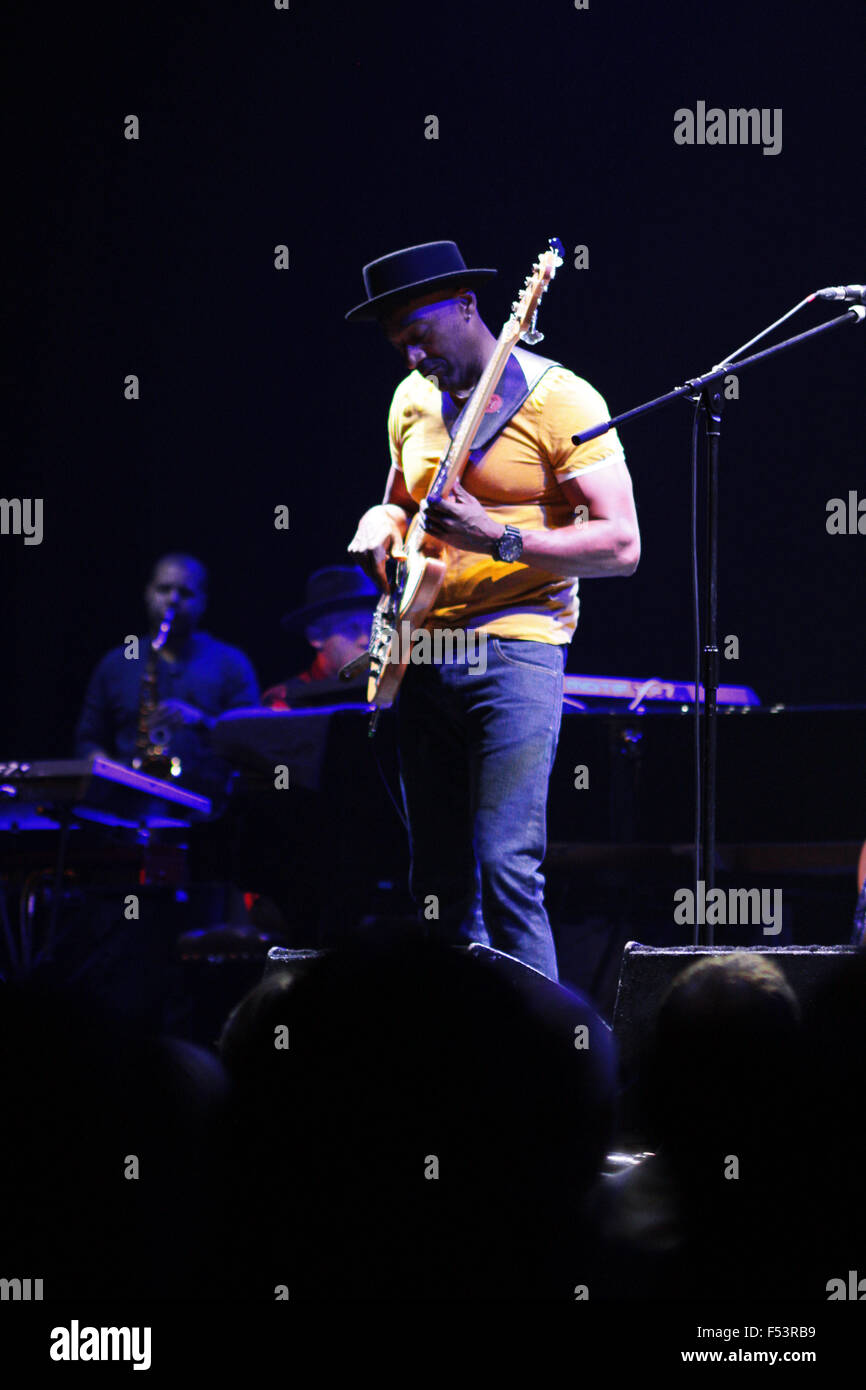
(517, 481)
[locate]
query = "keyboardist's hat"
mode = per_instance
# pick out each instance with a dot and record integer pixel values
(334, 589)
(411, 273)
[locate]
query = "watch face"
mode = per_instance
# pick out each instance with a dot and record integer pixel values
(510, 546)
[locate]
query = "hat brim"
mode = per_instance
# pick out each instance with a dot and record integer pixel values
(302, 617)
(382, 304)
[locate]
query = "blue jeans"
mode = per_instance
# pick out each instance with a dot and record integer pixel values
(476, 752)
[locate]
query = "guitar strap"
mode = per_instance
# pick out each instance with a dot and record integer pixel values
(522, 373)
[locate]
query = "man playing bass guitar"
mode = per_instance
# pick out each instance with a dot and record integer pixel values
(531, 515)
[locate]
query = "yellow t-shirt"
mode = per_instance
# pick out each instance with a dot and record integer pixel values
(516, 481)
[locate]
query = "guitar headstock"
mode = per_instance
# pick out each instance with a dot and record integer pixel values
(525, 309)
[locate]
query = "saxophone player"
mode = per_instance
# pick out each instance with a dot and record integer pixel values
(196, 678)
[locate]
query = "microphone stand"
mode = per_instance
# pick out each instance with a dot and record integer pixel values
(707, 392)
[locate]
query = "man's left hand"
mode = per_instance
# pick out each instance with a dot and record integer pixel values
(461, 520)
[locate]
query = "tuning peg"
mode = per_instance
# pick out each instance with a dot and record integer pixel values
(532, 335)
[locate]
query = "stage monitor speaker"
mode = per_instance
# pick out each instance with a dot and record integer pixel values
(531, 981)
(547, 998)
(646, 973)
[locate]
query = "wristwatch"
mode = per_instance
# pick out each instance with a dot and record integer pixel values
(509, 546)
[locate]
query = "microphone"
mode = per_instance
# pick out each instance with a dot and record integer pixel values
(852, 294)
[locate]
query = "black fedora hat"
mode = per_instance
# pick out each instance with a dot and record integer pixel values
(334, 589)
(407, 274)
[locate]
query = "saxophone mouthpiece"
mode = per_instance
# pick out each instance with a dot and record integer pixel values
(164, 628)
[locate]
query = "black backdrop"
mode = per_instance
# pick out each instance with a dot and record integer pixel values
(306, 127)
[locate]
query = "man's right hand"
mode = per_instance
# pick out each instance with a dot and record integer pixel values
(379, 530)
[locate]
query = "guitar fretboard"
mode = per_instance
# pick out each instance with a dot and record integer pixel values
(435, 490)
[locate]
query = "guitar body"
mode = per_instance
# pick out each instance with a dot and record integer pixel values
(415, 573)
(415, 577)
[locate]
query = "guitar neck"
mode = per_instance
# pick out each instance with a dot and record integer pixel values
(521, 323)
(452, 465)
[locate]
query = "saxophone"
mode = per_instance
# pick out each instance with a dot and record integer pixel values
(151, 743)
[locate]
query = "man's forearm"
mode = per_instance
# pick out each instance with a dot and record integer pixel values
(591, 547)
(590, 550)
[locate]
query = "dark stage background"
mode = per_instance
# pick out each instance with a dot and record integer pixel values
(306, 127)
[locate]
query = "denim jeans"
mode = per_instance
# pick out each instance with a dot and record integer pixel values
(476, 751)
